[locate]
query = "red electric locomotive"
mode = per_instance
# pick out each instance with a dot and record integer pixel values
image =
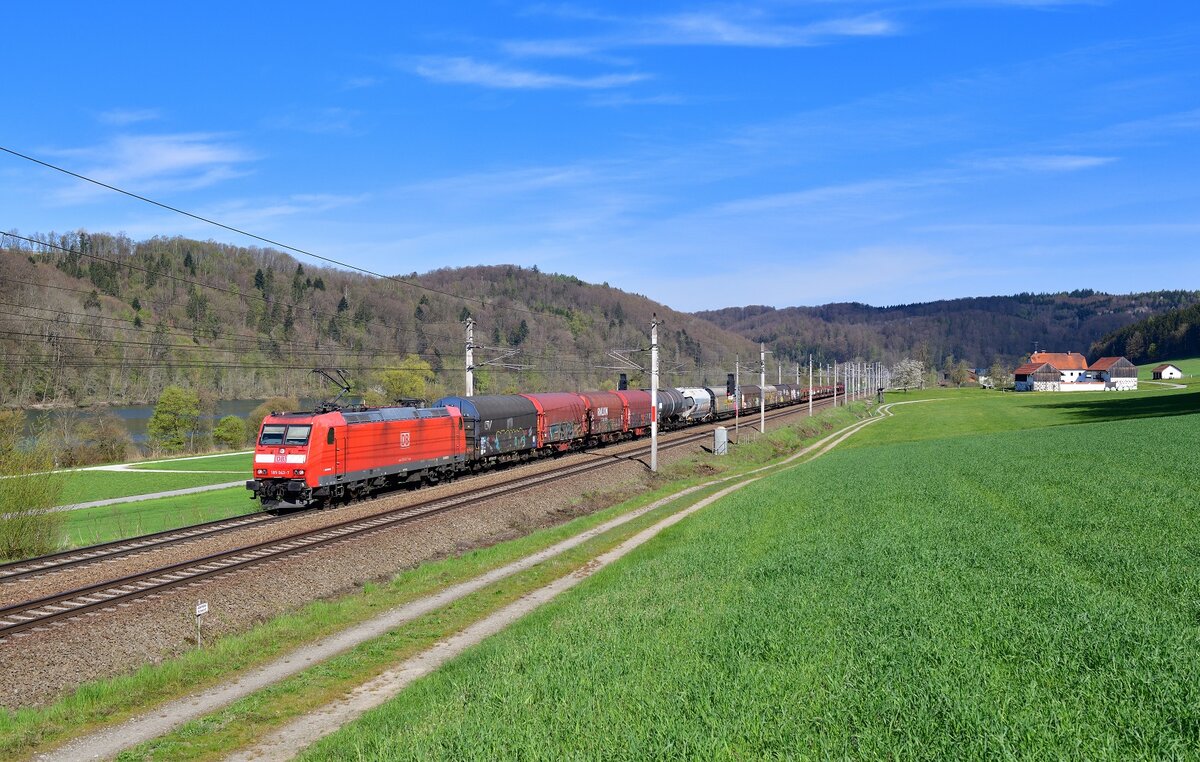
(338, 455)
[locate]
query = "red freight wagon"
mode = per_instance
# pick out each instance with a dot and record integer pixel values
(637, 410)
(302, 457)
(606, 415)
(562, 418)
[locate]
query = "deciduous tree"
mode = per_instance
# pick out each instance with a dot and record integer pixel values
(176, 420)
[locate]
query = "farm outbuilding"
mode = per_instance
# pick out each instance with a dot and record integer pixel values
(1071, 366)
(1117, 373)
(1069, 372)
(1166, 371)
(1037, 377)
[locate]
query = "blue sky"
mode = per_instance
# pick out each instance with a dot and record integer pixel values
(702, 154)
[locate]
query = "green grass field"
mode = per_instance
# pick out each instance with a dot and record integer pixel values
(1190, 368)
(86, 486)
(1027, 593)
(211, 737)
(240, 462)
(90, 526)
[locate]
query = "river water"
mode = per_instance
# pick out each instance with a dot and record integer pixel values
(135, 417)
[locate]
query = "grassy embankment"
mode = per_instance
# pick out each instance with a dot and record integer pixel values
(107, 701)
(88, 526)
(924, 592)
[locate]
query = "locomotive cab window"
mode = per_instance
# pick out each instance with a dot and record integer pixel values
(272, 434)
(297, 436)
(329, 437)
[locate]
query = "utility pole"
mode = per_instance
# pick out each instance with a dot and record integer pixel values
(835, 383)
(737, 395)
(810, 389)
(470, 364)
(762, 388)
(654, 393)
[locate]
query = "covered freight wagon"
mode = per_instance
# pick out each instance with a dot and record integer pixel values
(605, 414)
(723, 404)
(751, 395)
(496, 425)
(789, 392)
(561, 418)
(637, 410)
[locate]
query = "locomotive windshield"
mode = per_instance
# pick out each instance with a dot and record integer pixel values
(297, 435)
(278, 434)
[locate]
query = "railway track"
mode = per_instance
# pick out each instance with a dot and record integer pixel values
(49, 610)
(32, 567)
(68, 559)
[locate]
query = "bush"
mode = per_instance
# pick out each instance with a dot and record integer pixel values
(77, 441)
(27, 528)
(230, 432)
(272, 405)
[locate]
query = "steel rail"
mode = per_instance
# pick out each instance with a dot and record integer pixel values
(28, 615)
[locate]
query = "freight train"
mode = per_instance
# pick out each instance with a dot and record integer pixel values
(337, 455)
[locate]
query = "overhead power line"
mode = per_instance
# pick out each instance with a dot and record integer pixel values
(257, 237)
(180, 279)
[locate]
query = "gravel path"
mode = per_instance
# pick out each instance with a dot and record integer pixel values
(41, 666)
(111, 741)
(151, 495)
(282, 744)
(54, 582)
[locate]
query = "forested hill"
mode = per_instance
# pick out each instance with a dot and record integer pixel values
(1172, 335)
(96, 318)
(977, 330)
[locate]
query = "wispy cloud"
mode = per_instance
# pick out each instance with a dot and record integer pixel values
(823, 195)
(728, 28)
(122, 117)
(621, 100)
(1042, 163)
(468, 71)
(249, 212)
(157, 163)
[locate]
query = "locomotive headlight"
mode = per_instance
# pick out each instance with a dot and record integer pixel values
(261, 471)
(298, 472)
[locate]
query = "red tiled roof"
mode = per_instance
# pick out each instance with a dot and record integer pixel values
(1028, 368)
(1061, 360)
(1104, 363)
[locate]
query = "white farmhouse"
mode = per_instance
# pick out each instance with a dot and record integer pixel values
(1070, 372)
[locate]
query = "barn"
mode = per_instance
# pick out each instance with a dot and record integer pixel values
(1037, 377)
(1117, 373)
(1166, 371)
(1070, 372)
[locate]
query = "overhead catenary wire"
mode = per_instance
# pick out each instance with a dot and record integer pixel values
(257, 237)
(557, 356)
(337, 350)
(180, 279)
